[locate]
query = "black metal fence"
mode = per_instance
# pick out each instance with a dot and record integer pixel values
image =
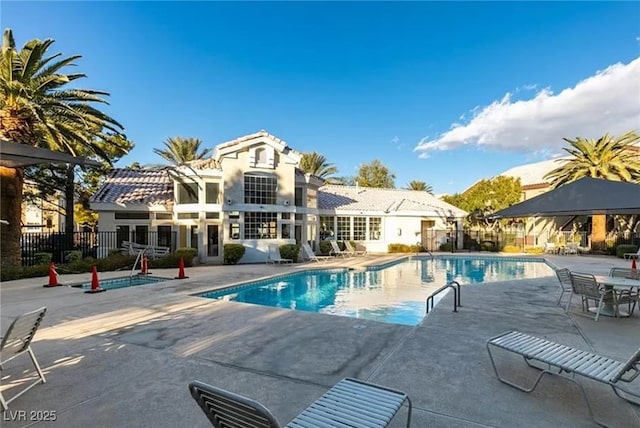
(89, 244)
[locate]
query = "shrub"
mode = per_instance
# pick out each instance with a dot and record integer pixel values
(9, 273)
(534, 250)
(113, 262)
(233, 253)
(114, 251)
(403, 248)
(290, 251)
(325, 248)
(510, 249)
(43, 258)
(187, 254)
(625, 248)
(488, 246)
(73, 256)
(447, 246)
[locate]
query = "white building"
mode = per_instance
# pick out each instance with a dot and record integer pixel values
(251, 192)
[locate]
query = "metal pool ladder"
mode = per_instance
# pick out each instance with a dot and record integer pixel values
(455, 286)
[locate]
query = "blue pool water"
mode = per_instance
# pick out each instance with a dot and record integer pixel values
(109, 284)
(394, 293)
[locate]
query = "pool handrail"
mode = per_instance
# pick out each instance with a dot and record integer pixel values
(455, 286)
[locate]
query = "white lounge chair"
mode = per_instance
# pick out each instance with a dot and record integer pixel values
(273, 255)
(335, 248)
(564, 277)
(635, 255)
(349, 403)
(350, 249)
(309, 255)
(17, 341)
(567, 362)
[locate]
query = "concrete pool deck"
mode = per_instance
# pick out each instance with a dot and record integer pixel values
(125, 357)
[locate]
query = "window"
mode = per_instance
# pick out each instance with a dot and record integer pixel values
(122, 234)
(260, 189)
(194, 237)
(286, 231)
(212, 215)
(298, 197)
(164, 216)
(185, 216)
(141, 236)
(187, 193)
(260, 225)
(359, 228)
(326, 227)
(212, 193)
(261, 156)
(285, 216)
(374, 228)
(131, 216)
(344, 229)
(234, 231)
(164, 236)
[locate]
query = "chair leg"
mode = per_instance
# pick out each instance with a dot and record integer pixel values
(561, 294)
(566, 309)
(35, 363)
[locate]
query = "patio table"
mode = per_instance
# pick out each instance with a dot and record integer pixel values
(614, 283)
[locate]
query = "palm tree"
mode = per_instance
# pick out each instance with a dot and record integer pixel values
(316, 164)
(179, 150)
(608, 157)
(38, 108)
(420, 186)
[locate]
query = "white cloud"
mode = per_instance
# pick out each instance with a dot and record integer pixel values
(396, 141)
(608, 102)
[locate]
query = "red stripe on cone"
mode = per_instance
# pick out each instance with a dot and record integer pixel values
(633, 264)
(181, 274)
(53, 276)
(95, 284)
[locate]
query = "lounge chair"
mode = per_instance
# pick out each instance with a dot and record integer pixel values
(631, 296)
(567, 363)
(273, 255)
(335, 249)
(564, 278)
(309, 255)
(17, 341)
(551, 248)
(586, 286)
(350, 249)
(350, 403)
(635, 255)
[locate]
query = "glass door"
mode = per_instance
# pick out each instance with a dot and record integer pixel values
(213, 240)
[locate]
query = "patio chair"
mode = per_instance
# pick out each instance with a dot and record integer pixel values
(17, 341)
(335, 249)
(551, 248)
(586, 286)
(309, 255)
(273, 255)
(350, 249)
(567, 363)
(564, 277)
(631, 297)
(635, 255)
(349, 403)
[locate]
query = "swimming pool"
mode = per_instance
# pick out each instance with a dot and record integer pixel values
(393, 293)
(113, 283)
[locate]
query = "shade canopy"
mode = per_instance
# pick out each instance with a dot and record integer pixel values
(13, 155)
(586, 196)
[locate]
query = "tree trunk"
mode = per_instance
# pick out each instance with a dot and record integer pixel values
(598, 232)
(69, 193)
(11, 181)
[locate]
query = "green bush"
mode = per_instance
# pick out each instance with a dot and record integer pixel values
(488, 246)
(447, 246)
(625, 248)
(290, 251)
(325, 248)
(188, 254)
(9, 273)
(114, 251)
(73, 256)
(43, 258)
(510, 249)
(403, 248)
(233, 253)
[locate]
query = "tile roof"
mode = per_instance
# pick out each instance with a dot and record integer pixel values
(261, 133)
(533, 173)
(356, 198)
(136, 186)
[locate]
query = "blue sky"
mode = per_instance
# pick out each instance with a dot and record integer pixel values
(446, 93)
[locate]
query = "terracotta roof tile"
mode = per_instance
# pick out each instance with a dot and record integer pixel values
(136, 186)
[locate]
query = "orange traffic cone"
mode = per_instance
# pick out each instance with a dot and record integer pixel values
(181, 274)
(144, 270)
(633, 264)
(53, 276)
(95, 284)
